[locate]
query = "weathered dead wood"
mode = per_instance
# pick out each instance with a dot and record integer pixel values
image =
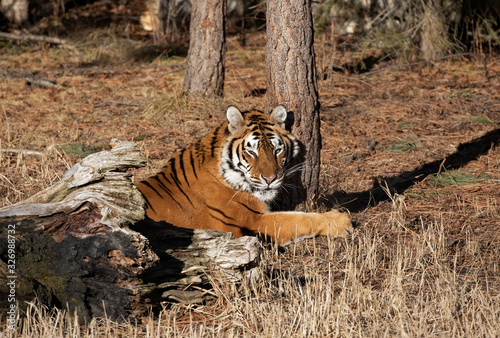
(82, 243)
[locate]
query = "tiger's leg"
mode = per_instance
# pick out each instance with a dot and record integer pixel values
(285, 227)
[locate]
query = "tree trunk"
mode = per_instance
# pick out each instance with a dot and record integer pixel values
(16, 11)
(291, 81)
(207, 47)
(81, 244)
(434, 41)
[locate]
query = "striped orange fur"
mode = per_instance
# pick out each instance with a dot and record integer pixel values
(226, 180)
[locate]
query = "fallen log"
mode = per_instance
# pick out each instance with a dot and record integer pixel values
(83, 244)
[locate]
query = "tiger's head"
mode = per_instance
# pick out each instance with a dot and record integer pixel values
(257, 151)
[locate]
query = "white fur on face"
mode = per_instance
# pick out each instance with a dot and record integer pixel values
(236, 171)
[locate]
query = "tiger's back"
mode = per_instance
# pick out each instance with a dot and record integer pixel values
(225, 180)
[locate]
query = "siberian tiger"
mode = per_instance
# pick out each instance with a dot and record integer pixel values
(226, 180)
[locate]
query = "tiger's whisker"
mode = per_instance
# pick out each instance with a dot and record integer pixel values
(294, 169)
(231, 199)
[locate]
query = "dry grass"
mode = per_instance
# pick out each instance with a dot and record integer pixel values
(370, 285)
(424, 262)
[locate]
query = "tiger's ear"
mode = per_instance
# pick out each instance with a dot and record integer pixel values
(279, 115)
(235, 119)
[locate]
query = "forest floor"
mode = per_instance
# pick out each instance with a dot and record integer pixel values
(412, 152)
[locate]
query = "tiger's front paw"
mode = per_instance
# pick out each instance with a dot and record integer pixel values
(339, 223)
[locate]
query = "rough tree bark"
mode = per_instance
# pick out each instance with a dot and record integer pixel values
(291, 81)
(207, 47)
(82, 244)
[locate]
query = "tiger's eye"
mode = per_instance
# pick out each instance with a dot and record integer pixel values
(251, 153)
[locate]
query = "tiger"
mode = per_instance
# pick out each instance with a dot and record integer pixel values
(228, 179)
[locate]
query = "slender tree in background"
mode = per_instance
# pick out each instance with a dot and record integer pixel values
(16, 11)
(207, 47)
(291, 81)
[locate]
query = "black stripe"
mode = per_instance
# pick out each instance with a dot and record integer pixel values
(256, 130)
(173, 173)
(255, 118)
(214, 139)
(239, 151)
(167, 190)
(149, 205)
(168, 163)
(200, 150)
(191, 159)
(164, 177)
(147, 184)
(182, 166)
(198, 145)
(163, 186)
(229, 154)
(180, 189)
(219, 211)
(242, 155)
(254, 211)
(223, 222)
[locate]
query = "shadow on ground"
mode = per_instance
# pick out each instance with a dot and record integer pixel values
(466, 152)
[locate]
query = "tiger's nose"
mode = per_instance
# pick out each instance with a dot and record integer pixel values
(269, 179)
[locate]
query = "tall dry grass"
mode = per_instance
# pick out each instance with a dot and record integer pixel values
(385, 281)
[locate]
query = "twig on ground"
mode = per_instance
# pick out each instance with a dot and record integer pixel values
(31, 37)
(22, 152)
(441, 166)
(432, 85)
(28, 72)
(43, 83)
(118, 102)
